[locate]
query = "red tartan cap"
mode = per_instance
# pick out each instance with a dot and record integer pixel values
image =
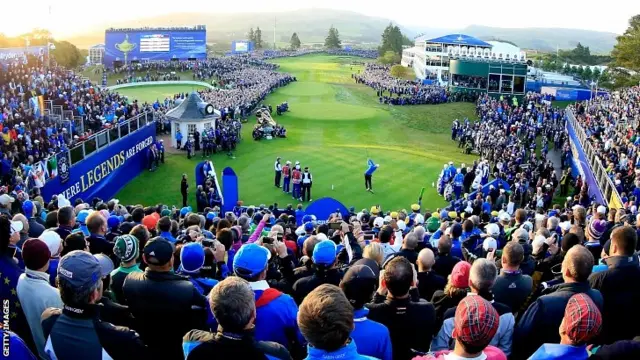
(476, 321)
(582, 319)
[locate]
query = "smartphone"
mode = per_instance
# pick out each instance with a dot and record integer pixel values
(335, 226)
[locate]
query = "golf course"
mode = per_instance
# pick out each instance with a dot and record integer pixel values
(334, 125)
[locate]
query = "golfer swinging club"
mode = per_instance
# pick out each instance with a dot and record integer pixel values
(371, 168)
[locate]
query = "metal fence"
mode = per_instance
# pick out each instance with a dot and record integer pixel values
(606, 185)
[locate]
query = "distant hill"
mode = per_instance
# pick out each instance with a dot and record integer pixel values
(312, 26)
(546, 39)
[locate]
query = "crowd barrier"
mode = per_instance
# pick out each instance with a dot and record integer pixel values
(167, 82)
(104, 163)
(587, 164)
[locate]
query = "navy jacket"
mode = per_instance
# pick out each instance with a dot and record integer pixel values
(541, 321)
(618, 286)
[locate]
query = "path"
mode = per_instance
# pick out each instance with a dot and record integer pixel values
(556, 158)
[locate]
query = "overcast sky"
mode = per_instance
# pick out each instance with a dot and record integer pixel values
(73, 16)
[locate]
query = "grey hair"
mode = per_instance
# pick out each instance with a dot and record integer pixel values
(232, 303)
(553, 222)
(411, 241)
(203, 220)
(483, 275)
(419, 231)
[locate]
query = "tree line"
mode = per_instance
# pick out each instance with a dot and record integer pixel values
(62, 53)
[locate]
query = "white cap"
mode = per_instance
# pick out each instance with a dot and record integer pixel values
(602, 210)
(576, 207)
(378, 222)
(53, 241)
(387, 219)
(537, 243)
(321, 236)
(492, 230)
(528, 225)
(565, 225)
(489, 243)
(16, 226)
(6, 199)
(504, 216)
(419, 219)
(401, 225)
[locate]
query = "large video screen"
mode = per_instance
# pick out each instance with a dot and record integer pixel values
(241, 46)
(124, 47)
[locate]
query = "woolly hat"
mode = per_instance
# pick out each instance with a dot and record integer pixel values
(150, 222)
(126, 247)
(595, 229)
(460, 275)
(35, 254)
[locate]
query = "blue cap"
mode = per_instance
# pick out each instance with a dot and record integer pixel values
(324, 253)
(553, 213)
(27, 208)
(210, 215)
(307, 218)
(185, 210)
(250, 260)
(257, 218)
(444, 215)
(113, 222)
(308, 226)
(82, 216)
(79, 269)
(192, 258)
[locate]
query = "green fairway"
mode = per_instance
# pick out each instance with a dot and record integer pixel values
(333, 126)
(151, 93)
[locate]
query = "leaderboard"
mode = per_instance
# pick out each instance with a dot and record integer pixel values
(155, 43)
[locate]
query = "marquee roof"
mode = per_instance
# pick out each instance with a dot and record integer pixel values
(459, 39)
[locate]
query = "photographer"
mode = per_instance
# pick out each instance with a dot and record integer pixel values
(325, 270)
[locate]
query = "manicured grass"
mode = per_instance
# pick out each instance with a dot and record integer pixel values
(151, 93)
(94, 73)
(333, 126)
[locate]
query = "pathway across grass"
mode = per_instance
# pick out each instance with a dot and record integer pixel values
(333, 127)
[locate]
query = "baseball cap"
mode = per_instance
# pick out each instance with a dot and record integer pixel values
(165, 212)
(324, 253)
(192, 258)
(53, 241)
(82, 216)
(35, 254)
(504, 217)
(460, 275)
(106, 265)
(308, 226)
(113, 222)
(211, 215)
(582, 320)
(492, 230)
(402, 225)
(433, 224)
(150, 222)
(489, 243)
(307, 218)
(158, 251)
(27, 208)
(415, 207)
(419, 219)
(394, 214)
(358, 285)
(476, 321)
(16, 226)
(250, 260)
(601, 210)
(378, 222)
(185, 210)
(6, 199)
(79, 269)
(537, 243)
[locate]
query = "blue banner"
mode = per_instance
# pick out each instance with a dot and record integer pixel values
(150, 45)
(105, 172)
(580, 165)
(19, 55)
(323, 208)
(229, 188)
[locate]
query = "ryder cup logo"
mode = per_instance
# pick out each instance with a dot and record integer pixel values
(63, 168)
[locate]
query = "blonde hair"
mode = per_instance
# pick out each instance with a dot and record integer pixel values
(374, 252)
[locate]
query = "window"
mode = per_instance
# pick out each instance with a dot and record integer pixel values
(518, 84)
(207, 126)
(494, 82)
(191, 128)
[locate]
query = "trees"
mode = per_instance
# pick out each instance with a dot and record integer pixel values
(587, 74)
(258, 38)
(625, 52)
(295, 41)
(333, 39)
(66, 54)
(392, 40)
(251, 35)
(400, 71)
(389, 58)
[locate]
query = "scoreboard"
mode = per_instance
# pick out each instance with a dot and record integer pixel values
(124, 47)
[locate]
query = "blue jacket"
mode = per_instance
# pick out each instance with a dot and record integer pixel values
(458, 180)
(53, 271)
(560, 351)
(371, 337)
(167, 235)
(347, 352)
(371, 167)
(456, 248)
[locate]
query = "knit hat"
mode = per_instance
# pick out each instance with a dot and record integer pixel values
(324, 253)
(582, 320)
(35, 254)
(460, 275)
(53, 241)
(27, 208)
(596, 228)
(126, 247)
(165, 212)
(149, 222)
(433, 224)
(476, 321)
(192, 258)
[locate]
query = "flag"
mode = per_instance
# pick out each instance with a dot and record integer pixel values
(41, 105)
(36, 175)
(53, 166)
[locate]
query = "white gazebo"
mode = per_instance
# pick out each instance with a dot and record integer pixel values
(191, 115)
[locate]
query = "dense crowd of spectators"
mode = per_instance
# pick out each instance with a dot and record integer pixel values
(612, 124)
(396, 91)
